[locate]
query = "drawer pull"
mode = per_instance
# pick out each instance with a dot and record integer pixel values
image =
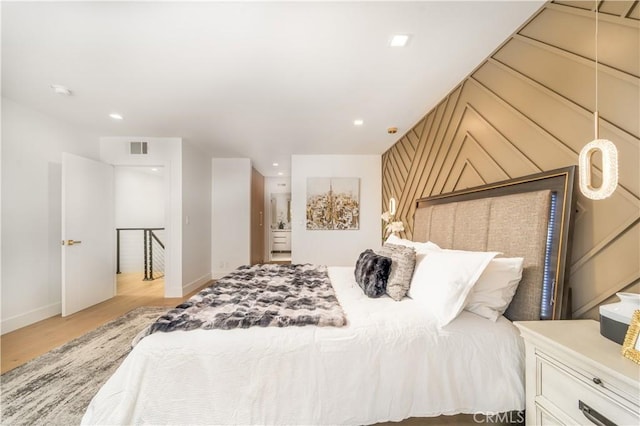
(597, 381)
(593, 416)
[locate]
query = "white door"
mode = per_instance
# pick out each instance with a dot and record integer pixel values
(88, 233)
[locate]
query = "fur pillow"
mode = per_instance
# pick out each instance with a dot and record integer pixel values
(372, 273)
(403, 261)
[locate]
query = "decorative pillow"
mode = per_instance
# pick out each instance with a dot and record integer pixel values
(420, 248)
(443, 279)
(403, 260)
(494, 290)
(372, 273)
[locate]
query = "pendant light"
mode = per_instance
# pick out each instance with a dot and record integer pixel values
(607, 149)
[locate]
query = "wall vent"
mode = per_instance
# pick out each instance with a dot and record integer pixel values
(138, 148)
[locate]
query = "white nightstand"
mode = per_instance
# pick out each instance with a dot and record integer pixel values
(576, 376)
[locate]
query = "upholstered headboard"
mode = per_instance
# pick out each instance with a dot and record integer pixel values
(529, 217)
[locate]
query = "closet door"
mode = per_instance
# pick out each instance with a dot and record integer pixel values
(257, 217)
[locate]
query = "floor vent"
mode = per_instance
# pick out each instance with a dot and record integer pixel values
(138, 148)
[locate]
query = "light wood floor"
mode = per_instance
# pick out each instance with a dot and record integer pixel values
(22, 345)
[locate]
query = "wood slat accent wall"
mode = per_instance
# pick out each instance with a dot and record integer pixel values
(529, 108)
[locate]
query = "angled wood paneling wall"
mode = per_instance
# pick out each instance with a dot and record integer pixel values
(529, 108)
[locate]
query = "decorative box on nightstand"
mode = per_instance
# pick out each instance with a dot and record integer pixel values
(574, 375)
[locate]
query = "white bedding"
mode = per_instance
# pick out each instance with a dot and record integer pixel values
(389, 363)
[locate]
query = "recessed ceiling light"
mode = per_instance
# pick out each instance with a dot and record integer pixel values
(280, 173)
(154, 169)
(399, 40)
(115, 116)
(358, 122)
(275, 164)
(60, 90)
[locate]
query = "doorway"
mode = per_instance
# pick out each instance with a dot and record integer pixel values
(140, 202)
(278, 208)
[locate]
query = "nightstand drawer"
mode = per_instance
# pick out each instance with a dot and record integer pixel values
(280, 241)
(547, 419)
(562, 388)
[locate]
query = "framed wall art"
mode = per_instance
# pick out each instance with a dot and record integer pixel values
(333, 203)
(631, 345)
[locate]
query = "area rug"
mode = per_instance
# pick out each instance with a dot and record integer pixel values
(56, 388)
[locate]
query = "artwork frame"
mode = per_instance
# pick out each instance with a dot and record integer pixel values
(631, 344)
(333, 203)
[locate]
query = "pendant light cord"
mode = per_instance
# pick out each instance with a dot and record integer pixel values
(605, 147)
(596, 115)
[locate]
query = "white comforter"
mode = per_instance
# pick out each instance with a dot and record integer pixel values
(389, 363)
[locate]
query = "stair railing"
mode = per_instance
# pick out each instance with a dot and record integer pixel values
(153, 252)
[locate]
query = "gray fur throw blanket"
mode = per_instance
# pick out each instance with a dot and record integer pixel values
(259, 295)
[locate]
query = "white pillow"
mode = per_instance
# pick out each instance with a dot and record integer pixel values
(442, 280)
(420, 248)
(494, 290)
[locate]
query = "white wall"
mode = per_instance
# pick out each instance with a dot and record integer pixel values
(339, 248)
(166, 152)
(230, 222)
(139, 197)
(32, 146)
(276, 185)
(139, 203)
(196, 223)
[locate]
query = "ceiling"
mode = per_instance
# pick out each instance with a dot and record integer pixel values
(262, 80)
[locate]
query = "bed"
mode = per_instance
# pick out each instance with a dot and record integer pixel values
(392, 360)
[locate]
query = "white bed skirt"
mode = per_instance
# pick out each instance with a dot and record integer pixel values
(389, 363)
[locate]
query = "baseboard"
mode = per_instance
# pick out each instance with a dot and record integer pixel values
(13, 323)
(194, 285)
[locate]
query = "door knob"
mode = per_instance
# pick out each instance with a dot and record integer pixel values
(71, 242)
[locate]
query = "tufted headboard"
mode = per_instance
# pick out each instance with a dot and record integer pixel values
(529, 217)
